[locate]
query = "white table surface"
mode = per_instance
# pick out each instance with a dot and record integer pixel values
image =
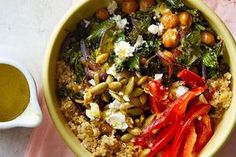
(25, 28)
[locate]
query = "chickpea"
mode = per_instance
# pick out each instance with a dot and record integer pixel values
(207, 38)
(102, 14)
(185, 19)
(144, 5)
(129, 6)
(170, 38)
(169, 20)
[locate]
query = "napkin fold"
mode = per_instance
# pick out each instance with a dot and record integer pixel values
(45, 141)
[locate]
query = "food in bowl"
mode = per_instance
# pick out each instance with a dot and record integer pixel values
(142, 78)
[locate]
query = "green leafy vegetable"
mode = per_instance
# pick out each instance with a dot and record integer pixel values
(119, 64)
(100, 29)
(194, 38)
(191, 48)
(210, 56)
(72, 55)
(107, 42)
(134, 63)
(141, 22)
(176, 4)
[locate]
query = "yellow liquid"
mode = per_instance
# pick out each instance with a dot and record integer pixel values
(14, 92)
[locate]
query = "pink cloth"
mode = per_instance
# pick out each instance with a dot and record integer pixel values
(45, 141)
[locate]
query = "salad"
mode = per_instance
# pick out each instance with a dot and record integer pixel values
(143, 78)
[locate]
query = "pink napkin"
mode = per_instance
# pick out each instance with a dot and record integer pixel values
(45, 141)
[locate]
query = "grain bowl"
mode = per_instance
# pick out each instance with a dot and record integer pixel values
(108, 112)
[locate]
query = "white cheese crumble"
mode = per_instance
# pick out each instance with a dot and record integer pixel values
(92, 82)
(112, 6)
(114, 105)
(156, 29)
(123, 49)
(181, 90)
(112, 71)
(120, 23)
(139, 41)
(94, 111)
(121, 93)
(117, 120)
(158, 77)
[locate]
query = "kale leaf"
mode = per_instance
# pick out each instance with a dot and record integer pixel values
(194, 38)
(210, 56)
(134, 63)
(97, 32)
(71, 54)
(191, 48)
(176, 4)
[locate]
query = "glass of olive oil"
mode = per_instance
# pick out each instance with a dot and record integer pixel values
(18, 99)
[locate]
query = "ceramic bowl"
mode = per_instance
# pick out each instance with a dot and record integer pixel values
(86, 8)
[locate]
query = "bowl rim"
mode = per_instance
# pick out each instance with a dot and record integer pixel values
(46, 87)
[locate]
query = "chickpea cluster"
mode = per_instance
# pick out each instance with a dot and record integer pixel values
(174, 23)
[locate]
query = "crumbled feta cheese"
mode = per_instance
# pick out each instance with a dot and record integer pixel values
(158, 77)
(139, 41)
(112, 71)
(114, 105)
(126, 98)
(112, 6)
(117, 120)
(156, 29)
(92, 82)
(120, 23)
(181, 90)
(123, 50)
(87, 23)
(121, 93)
(93, 112)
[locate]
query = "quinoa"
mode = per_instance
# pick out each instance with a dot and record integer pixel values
(222, 95)
(86, 131)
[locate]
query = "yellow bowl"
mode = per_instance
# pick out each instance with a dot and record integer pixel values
(86, 8)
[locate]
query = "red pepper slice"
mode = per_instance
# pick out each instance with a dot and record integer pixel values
(193, 112)
(166, 151)
(171, 114)
(190, 142)
(204, 132)
(162, 139)
(191, 78)
(158, 98)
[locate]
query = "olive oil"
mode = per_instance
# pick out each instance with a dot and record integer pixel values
(14, 92)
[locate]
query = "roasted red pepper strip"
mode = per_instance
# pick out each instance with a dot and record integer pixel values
(190, 142)
(162, 139)
(191, 78)
(158, 99)
(204, 132)
(166, 151)
(193, 112)
(171, 114)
